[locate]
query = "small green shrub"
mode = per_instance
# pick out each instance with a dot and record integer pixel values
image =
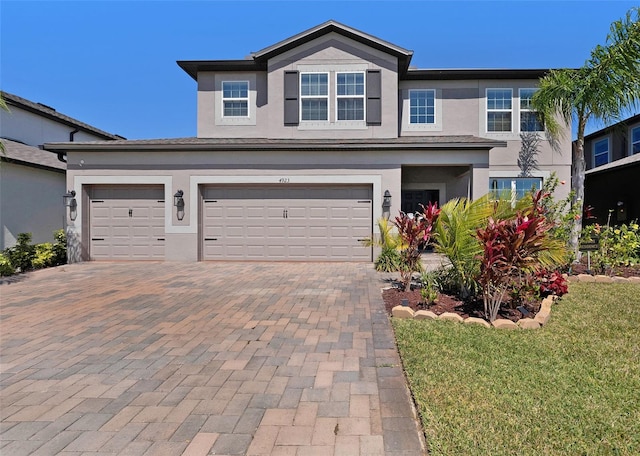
(44, 256)
(21, 255)
(618, 246)
(388, 260)
(429, 290)
(59, 248)
(6, 268)
(25, 256)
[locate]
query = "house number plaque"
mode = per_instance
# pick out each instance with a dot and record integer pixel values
(284, 180)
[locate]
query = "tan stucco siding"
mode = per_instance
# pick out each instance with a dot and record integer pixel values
(331, 53)
(189, 171)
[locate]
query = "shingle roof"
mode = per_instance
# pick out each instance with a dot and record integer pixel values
(616, 164)
(30, 156)
(49, 112)
(405, 142)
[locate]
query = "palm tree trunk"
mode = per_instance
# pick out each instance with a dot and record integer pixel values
(577, 185)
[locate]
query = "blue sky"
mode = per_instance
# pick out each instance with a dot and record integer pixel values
(113, 64)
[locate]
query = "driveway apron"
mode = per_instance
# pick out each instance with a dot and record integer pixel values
(201, 358)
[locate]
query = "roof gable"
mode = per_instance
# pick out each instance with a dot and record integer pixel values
(258, 60)
(403, 55)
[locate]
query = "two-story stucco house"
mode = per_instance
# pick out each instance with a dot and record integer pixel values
(612, 187)
(32, 180)
(300, 149)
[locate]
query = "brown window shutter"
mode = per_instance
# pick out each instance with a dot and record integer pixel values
(374, 97)
(291, 94)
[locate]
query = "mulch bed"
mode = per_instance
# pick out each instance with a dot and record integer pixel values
(446, 303)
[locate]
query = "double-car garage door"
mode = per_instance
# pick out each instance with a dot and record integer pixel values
(286, 223)
(312, 223)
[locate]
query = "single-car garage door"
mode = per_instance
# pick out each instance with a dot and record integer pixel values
(126, 222)
(311, 223)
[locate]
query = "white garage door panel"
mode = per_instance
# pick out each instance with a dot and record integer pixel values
(320, 223)
(126, 222)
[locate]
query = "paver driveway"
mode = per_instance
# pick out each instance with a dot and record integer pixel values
(201, 358)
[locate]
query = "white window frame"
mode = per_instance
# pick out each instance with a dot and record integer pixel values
(634, 143)
(363, 97)
(595, 144)
(315, 97)
(488, 110)
(245, 99)
(435, 109)
(527, 109)
(513, 187)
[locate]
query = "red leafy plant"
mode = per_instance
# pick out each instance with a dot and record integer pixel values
(552, 283)
(414, 232)
(513, 248)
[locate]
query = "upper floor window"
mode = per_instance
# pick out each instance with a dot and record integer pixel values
(601, 152)
(350, 96)
(422, 106)
(235, 98)
(499, 110)
(314, 96)
(530, 120)
(635, 140)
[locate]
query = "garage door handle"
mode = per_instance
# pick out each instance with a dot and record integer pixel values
(210, 239)
(97, 239)
(364, 201)
(363, 240)
(210, 201)
(160, 239)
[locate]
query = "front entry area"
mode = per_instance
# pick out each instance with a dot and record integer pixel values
(412, 199)
(126, 222)
(286, 223)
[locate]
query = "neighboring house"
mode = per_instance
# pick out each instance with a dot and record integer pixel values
(32, 180)
(612, 179)
(297, 147)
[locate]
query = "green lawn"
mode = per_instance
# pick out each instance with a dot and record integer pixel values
(570, 388)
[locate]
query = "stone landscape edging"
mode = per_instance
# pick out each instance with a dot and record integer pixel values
(541, 318)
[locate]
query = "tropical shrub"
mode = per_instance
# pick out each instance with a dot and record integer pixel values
(390, 243)
(455, 237)
(414, 231)
(560, 212)
(511, 249)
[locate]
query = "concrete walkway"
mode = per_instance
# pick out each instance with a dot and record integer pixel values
(202, 358)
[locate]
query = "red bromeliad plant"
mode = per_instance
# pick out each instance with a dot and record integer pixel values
(512, 248)
(414, 231)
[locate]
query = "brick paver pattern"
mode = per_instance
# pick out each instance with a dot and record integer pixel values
(201, 358)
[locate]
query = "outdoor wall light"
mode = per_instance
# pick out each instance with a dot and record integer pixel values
(178, 202)
(386, 204)
(386, 199)
(69, 199)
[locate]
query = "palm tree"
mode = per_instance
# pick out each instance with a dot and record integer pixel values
(606, 86)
